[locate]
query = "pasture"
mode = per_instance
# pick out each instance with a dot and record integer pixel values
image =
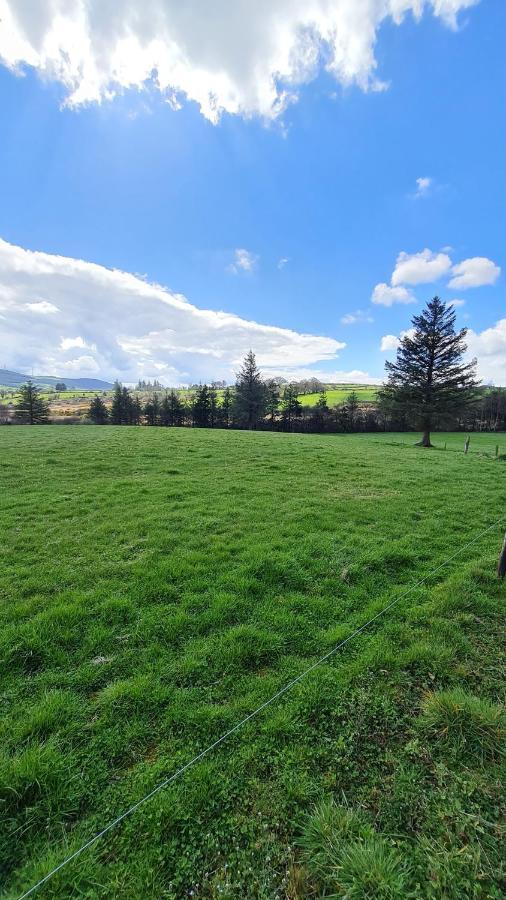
(157, 585)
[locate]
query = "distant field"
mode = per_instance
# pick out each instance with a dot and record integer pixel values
(338, 395)
(160, 584)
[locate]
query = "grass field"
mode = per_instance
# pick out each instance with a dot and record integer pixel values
(338, 395)
(157, 585)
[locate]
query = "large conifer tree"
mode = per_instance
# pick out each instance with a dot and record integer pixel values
(429, 381)
(98, 412)
(250, 394)
(31, 408)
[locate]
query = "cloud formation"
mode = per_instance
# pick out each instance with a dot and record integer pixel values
(420, 268)
(244, 261)
(385, 295)
(474, 272)
(358, 317)
(489, 347)
(247, 58)
(423, 186)
(99, 320)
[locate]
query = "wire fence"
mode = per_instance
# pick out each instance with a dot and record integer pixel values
(272, 699)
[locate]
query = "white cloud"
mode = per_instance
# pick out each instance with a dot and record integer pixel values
(131, 328)
(246, 58)
(384, 295)
(456, 303)
(70, 343)
(42, 308)
(489, 346)
(389, 342)
(474, 272)
(392, 342)
(423, 186)
(244, 261)
(283, 261)
(356, 318)
(420, 268)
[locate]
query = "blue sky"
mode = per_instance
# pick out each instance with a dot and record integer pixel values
(321, 198)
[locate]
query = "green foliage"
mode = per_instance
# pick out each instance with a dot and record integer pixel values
(466, 723)
(159, 584)
(30, 407)
(98, 412)
(429, 380)
(250, 394)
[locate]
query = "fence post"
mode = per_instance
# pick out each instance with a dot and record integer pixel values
(501, 567)
(466, 445)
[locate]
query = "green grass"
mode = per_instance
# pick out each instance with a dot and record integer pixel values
(338, 395)
(159, 584)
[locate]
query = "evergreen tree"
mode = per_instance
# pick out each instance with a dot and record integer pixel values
(117, 408)
(98, 412)
(213, 406)
(152, 411)
(429, 381)
(321, 411)
(31, 408)
(202, 407)
(176, 409)
(291, 407)
(225, 408)
(250, 394)
(272, 400)
(352, 406)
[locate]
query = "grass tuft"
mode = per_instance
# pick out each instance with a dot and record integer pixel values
(465, 723)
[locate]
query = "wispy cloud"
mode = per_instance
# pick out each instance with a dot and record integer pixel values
(244, 261)
(357, 318)
(283, 261)
(423, 187)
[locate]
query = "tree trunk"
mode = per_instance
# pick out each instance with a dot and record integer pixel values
(425, 442)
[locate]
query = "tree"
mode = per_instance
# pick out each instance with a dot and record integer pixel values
(272, 400)
(250, 393)
(31, 408)
(291, 407)
(352, 406)
(98, 412)
(213, 406)
(60, 386)
(225, 409)
(321, 411)
(117, 408)
(202, 407)
(152, 411)
(429, 381)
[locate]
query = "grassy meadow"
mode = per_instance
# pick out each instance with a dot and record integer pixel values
(157, 585)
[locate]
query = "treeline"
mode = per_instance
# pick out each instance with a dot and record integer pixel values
(274, 405)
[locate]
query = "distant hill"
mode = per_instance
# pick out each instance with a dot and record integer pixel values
(13, 379)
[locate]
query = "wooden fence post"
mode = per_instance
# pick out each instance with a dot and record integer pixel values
(501, 568)
(466, 445)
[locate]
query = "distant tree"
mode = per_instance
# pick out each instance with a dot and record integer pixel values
(352, 405)
(60, 386)
(291, 407)
(202, 407)
(152, 410)
(213, 406)
(98, 412)
(321, 411)
(225, 409)
(31, 408)
(117, 408)
(250, 394)
(429, 380)
(272, 400)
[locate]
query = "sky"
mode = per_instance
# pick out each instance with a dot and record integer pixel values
(180, 183)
